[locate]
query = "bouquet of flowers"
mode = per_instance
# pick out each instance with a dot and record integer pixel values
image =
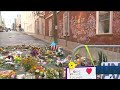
(8, 74)
(34, 52)
(1, 49)
(17, 59)
(38, 71)
(28, 63)
(52, 74)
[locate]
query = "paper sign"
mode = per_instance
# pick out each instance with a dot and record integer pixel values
(81, 73)
(110, 76)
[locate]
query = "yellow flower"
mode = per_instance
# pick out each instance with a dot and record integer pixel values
(72, 65)
(34, 67)
(1, 49)
(78, 61)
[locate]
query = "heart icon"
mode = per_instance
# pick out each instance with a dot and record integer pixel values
(88, 70)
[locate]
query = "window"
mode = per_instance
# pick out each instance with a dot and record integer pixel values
(66, 24)
(104, 22)
(50, 27)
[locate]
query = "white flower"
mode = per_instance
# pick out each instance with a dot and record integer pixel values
(37, 70)
(57, 73)
(83, 58)
(54, 77)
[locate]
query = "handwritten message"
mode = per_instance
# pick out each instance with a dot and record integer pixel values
(81, 73)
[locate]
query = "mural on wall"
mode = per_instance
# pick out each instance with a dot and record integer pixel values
(82, 27)
(60, 26)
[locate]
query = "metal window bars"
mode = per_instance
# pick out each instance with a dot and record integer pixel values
(111, 51)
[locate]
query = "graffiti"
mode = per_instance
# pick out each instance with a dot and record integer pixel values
(74, 29)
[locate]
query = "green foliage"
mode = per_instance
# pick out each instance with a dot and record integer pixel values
(102, 58)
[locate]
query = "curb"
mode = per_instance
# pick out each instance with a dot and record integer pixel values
(65, 48)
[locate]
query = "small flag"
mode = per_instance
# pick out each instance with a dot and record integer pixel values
(53, 46)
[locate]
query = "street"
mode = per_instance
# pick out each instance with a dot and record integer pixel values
(12, 38)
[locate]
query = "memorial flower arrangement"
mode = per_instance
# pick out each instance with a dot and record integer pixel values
(28, 63)
(52, 74)
(17, 59)
(34, 52)
(35, 68)
(8, 74)
(1, 49)
(38, 71)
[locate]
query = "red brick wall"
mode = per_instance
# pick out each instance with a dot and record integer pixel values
(109, 39)
(60, 24)
(82, 26)
(85, 31)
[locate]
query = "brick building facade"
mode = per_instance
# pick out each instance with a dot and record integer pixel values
(86, 27)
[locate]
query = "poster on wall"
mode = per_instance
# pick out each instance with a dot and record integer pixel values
(110, 76)
(81, 73)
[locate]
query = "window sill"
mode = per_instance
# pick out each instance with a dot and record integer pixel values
(100, 34)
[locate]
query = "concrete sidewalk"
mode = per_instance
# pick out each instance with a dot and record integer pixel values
(111, 55)
(62, 43)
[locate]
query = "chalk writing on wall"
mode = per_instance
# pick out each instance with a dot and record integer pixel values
(116, 22)
(82, 27)
(75, 27)
(116, 15)
(91, 26)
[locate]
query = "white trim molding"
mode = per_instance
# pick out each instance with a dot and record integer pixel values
(110, 23)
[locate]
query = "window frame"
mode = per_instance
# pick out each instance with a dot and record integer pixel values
(110, 23)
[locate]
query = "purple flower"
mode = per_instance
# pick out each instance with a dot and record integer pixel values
(34, 53)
